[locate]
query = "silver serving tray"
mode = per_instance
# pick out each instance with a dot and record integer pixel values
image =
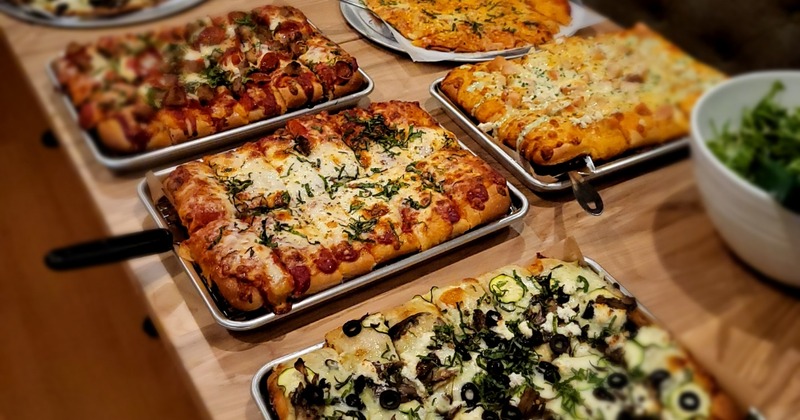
(258, 385)
(192, 148)
(376, 30)
(169, 7)
(521, 168)
(242, 321)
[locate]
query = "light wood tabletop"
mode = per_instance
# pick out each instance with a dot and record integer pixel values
(654, 237)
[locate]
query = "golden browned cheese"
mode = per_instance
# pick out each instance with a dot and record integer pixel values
(597, 97)
(326, 199)
(474, 25)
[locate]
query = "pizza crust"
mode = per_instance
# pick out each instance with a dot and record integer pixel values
(584, 97)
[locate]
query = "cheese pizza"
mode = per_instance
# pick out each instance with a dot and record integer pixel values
(326, 199)
(149, 91)
(597, 97)
(474, 25)
(551, 340)
(86, 8)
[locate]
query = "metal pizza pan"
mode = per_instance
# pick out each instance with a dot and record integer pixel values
(236, 320)
(521, 168)
(162, 10)
(193, 148)
(258, 385)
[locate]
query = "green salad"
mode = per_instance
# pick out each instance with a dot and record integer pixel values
(765, 149)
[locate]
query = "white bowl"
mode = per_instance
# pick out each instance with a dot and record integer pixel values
(757, 228)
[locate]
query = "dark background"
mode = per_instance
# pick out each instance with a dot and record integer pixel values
(734, 36)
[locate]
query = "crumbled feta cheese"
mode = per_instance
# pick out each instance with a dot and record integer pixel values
(515, 379)
(548, 322)
(572, 329)
(565, 313)
(525, 329)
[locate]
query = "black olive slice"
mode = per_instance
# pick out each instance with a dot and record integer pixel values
(510, 412)
(549, 371)
(354, 400)
(617, 380)
(359, 384)
(492, 318)
(390, 399)
(356, 415)
(588, 313)
(494, 367)
(312, 395)
(689, 401)
(488, 415)
(658, 377)
(535, 339)
(561, 297)
(492, 340)
(352, 328)
(61, 9)
(470, 395)
(603, 394)
(559, 344)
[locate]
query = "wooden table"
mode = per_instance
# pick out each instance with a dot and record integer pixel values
(654, 237)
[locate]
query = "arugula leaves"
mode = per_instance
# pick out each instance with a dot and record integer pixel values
(766, 148)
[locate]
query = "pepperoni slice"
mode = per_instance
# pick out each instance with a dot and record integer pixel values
(344, 70)
(270, 62)
(302, 278)
(447, 211)
(326, 262)
(259, 77)
(345, 252)
(306, 81)
(88, 115)
(477, 196)
(212, 35)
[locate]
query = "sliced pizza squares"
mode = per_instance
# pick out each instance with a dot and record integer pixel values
(549, 340)
(575, 97)
(326, 199)
(152, 90)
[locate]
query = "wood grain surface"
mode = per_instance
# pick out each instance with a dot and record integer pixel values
(73, 346)
(654, 237)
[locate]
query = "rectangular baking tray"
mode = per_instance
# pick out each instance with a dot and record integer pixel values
(192, 148)
(258, 386)
(521, 168)
(235, 320)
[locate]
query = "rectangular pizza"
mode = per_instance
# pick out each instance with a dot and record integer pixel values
(152, 90)
(552, 340)
(328, 198)
(575, 97)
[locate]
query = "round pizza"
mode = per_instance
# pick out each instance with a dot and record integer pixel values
(474, 25)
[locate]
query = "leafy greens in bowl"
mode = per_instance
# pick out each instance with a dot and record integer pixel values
(765, 148)
(747, 172)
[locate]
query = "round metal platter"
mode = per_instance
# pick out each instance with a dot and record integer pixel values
(162, 10)
(374, 29)
(368, 25)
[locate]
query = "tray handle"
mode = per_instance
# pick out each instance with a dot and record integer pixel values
(109, 250)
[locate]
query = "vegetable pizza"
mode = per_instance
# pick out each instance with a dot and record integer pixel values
(552, 340)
